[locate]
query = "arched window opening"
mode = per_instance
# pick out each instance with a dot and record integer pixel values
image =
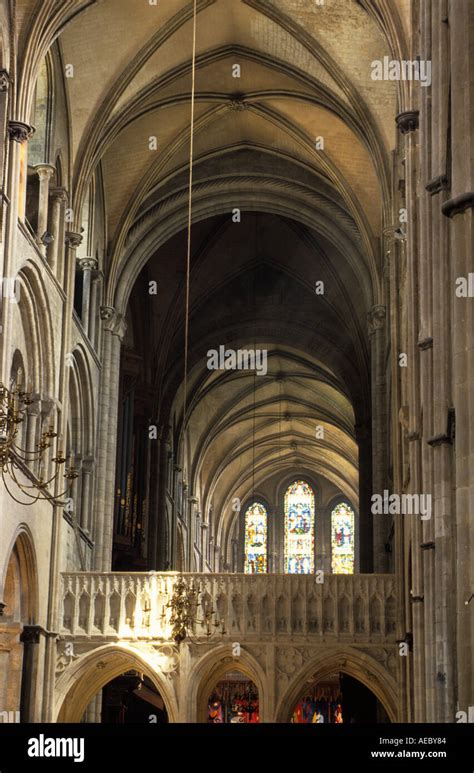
(234, 700)
(41, 113)
(256, 525)
(299, 528)
(37, 149)
(342, 539)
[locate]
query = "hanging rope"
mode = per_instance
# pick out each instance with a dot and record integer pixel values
(190, 203)
(254, 296)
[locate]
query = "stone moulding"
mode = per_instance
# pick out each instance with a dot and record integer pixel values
(18, 131)
(407, 121)
(458, 204)
(437, 184)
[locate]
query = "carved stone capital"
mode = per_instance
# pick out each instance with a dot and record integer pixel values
(407, 121)
(87, 264)
(107, 313)
(59, 194)
(19, 131)
(31, 634)
(376, 318)
(119, 326)
(4, 80)
(114, 323)
(45, 171)
(88, 464)
(73, 239)
(48, 405)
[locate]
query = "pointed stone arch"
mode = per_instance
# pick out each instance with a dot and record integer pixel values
(83, 679)
(349, 661)
(18, 626)
(213, 666)
(20, 577)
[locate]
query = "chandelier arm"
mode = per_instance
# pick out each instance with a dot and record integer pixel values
(16, 448)
(23, 486)
(35, 485)
(43, 492)
(58, 497)
(26, 504)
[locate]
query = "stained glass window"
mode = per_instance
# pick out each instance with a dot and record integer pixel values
(299, 528)
(342, 539)
(234, 700)
(256, 539)
(320, 703)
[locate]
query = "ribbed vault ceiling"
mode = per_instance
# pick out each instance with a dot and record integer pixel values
(308, 213)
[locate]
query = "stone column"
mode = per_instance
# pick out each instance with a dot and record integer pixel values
(376, 319)
(32, 413)
(88, 465)
(30, 638)
(366, 519)
(114, 330)
(48, 411)
(4, 86)
(59, 198)
(18, 133)
(192, 502)
(459, 210)
(97, 277)
(234, 563)
(44, 172)
(161, 457)
(72, 239)
(205, 545)
(410, 526)
(76, 487)
(87, 265)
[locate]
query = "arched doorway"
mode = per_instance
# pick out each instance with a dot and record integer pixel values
(219, 676)
(337, 699)
(129, 698)
(365, 689)
(20, 634)
(116, 684)
(234, 700)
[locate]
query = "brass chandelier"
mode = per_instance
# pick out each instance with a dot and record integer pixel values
(14, 458)
(184, 604)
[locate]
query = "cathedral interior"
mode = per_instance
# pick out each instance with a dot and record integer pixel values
(236, 351)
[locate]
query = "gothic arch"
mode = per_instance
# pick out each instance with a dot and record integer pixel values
(80, 407)
(211, 668)
(212, 198)
(19, 580)
(351, 662)
(37, 325)
(83, 679)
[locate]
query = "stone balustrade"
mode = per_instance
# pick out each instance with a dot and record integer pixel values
(358, 608)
